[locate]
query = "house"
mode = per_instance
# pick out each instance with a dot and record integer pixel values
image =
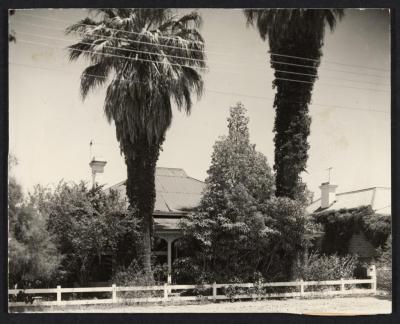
(176, 193)
(378, 198)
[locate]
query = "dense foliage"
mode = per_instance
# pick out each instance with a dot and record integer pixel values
(384, 266)
(88, 224)
(240, 229)
(340, 225)
(61, 235)
(293, 34)
(155, 57)
(325, 267)
(33, 257)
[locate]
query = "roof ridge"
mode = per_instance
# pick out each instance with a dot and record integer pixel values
(360, 190)
(171, 176)
(115, 185)
(195, 179)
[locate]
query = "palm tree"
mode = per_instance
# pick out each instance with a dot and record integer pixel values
(154, 58)
(296, 37)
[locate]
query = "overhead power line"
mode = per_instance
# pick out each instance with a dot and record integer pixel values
(330, 84)
(329, 62)
(119, 48)
(207, 89)
(199, 60)
(210, 52)
(188, 58)
(328, 77)
(110, 28)
(122, 39)
(182, 65)
(327, 69)
(114, 55)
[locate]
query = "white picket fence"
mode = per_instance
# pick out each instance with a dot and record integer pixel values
(170, 293)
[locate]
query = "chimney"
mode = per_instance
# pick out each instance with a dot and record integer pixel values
(328, 194)
(97, 166)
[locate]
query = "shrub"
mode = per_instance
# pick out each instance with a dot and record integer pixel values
(186, 271)
(160, 273)
(384, 267)
(316, 267)
(133, 275)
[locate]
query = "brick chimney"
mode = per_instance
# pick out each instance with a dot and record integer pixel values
(328, 194)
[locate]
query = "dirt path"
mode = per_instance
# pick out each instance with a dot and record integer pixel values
(332, 306)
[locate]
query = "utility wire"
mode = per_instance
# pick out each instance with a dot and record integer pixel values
(123, 39)
(327, 69)
(181, 65)
(191, 59)
(123, 49)
(199, 60)
(210, 52)
(110, 28)
(329, 62)
(113, 55)
(331, 84)
(329, 77)
(207, 90)
(311, 103)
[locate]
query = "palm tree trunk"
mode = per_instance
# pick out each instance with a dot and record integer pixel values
(292, 121)
(140, 189)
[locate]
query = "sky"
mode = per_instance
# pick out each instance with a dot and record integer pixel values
(50, 127)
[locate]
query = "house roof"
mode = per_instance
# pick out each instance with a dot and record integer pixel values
(379, 198)
(175, 191)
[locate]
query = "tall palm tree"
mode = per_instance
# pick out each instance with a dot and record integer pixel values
(295, 37)
(154, 58)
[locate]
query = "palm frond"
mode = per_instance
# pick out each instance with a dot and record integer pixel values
(94, 76)
(81, 27)
(139, 97)
(78, 49)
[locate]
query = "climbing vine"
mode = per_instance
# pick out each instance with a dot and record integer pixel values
(340, 225)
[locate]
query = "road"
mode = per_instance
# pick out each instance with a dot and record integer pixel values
(331, 306)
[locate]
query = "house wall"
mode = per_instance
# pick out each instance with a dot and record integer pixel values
(360, 245)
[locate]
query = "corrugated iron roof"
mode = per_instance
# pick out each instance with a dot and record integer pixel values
(379, 198)
(175, 190)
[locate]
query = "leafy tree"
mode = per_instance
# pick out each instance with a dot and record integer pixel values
(295, 40)
(15, 194)
(239, 229)
(88, 224)
(33, 257)
(154, 57)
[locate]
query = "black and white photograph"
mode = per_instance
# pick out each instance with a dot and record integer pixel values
(182, 160)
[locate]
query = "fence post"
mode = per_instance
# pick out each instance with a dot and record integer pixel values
(373, 278)
(165, 292)
(214, 288)
(58, 294)
(342, 287)
(114, 293)
(301, 287)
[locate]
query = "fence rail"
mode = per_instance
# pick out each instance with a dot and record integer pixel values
(168, 295)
